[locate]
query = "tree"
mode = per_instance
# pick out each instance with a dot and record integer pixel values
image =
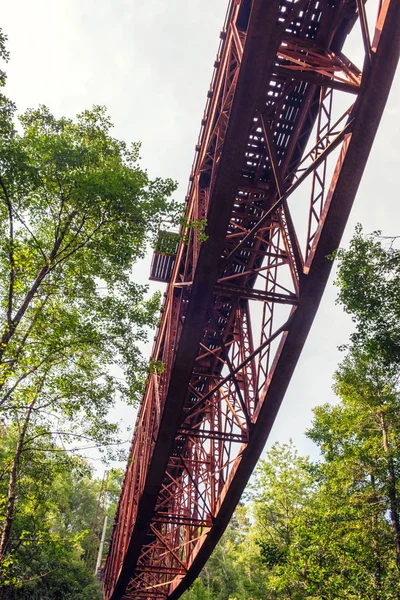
(317, 531)
(76, 211)
(368, 379)
(369, 290)
(371, 388)
(282, 494)
(234, 570)
(330, 530)
(359, 477)
(57, 497)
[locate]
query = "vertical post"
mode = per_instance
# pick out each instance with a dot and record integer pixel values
(100, 554)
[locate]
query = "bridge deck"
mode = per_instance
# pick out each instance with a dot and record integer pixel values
(286, 133)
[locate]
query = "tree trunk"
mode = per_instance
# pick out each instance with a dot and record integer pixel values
(12, 326)
(13, 323)
(378, 564)
(391, 489)
(12, 486)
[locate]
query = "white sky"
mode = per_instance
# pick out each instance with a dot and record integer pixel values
(151, 63)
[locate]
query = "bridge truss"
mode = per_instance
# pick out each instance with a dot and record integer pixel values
(287, 130)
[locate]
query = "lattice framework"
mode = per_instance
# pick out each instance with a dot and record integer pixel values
(286, 132)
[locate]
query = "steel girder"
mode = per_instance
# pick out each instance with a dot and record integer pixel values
(287, 130)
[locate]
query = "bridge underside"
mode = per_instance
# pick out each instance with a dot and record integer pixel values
(287, 129)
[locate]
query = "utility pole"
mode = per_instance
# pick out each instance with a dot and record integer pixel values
(100, 554)
(94, 540)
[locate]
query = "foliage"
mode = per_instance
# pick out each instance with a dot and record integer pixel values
(235, 569)
(156, 366)
(330, 529)
(76, 212)
(196, 225)
(167, 241)
(57, 499)
(369, 289)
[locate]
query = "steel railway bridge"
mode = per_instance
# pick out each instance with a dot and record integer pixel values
(286, 133)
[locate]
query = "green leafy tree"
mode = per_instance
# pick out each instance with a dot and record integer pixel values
(351, 533)
(57, 497)
(281, 492)
(235, 569)
(330, 530)
(76, 211)
(369, 390)
(369, 290)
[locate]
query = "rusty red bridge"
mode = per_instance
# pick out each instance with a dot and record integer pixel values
(285, 137)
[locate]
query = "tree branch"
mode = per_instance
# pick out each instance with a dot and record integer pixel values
(78, 449)
(75, 237)
(78, 247)
(22, 344)
(20, 379)
(20, 219)
(10, 252)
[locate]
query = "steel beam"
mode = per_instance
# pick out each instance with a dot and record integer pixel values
(206, 416)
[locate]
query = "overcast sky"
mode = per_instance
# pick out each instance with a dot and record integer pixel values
(151, 63)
